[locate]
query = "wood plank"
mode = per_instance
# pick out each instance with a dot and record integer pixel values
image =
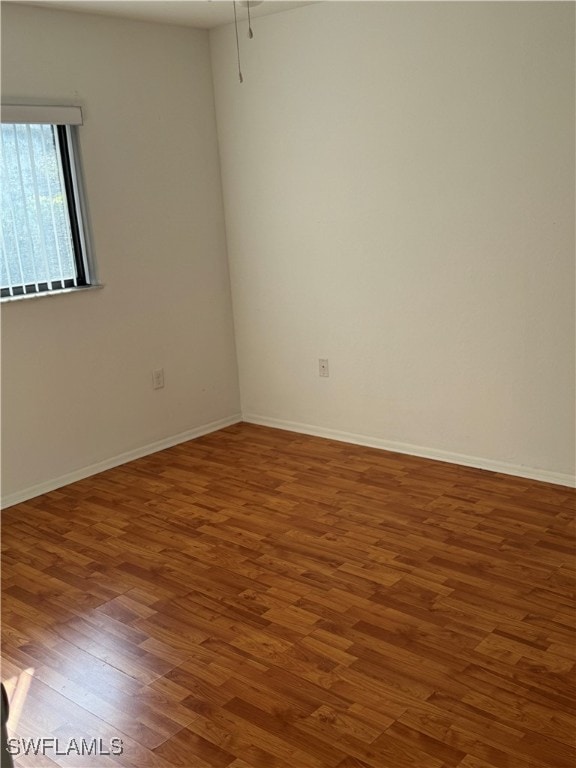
(262, 599)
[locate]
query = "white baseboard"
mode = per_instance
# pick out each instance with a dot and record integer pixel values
(306, 429)
(115, 461)
(416, 450)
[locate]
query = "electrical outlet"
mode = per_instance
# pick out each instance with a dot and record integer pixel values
(158, 378)
(323, 367)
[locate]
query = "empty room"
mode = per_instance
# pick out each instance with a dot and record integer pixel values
(288, 384)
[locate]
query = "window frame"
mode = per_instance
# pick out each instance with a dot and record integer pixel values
(65, 121)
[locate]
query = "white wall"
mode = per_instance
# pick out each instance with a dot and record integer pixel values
(399, 195)
(76, 380)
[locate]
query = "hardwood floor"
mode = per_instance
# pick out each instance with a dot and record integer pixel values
(263, 599)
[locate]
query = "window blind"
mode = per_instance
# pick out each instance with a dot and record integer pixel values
(25, 114)
(37, 252)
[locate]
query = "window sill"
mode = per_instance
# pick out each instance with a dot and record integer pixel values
(44, 294)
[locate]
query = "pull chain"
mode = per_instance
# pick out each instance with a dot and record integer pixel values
(237, 44)
(250, 33)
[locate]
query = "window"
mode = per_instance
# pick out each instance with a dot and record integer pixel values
(43, 238)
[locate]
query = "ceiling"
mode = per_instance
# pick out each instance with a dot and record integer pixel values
(204, 14)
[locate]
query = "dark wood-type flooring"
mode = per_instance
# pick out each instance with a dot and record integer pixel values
(262, 599)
